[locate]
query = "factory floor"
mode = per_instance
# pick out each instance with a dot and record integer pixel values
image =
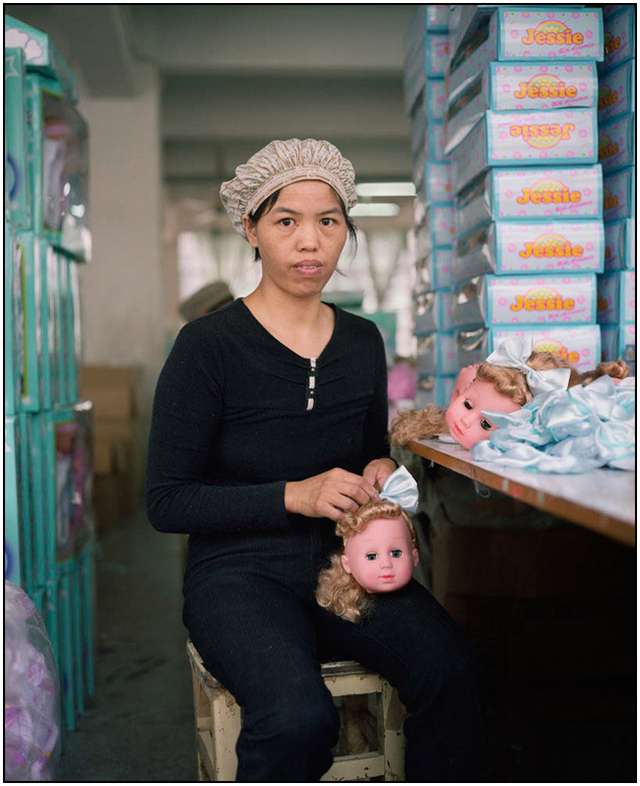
(140, 725)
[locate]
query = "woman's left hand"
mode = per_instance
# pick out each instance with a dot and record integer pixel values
(378, 470)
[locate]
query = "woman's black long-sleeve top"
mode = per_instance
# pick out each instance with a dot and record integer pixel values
(231, 422)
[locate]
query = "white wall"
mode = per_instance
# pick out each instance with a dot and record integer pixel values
(122, 287)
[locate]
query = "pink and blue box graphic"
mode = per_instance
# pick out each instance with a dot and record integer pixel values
(620, 245)
(580, 345)
(437, 355)
(617, 91)
(619, 35)
(514, 87)
(523, 194)
(527, 34)
(617, 297)
(530, 248)
(427, 50)
(540, 109)
(17, 185)
(492, 300)
(509, 301)
(553, 137)
(435, 271)
(45, 316)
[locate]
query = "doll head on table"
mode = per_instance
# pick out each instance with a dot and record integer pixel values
(379, 554)
(509, 378)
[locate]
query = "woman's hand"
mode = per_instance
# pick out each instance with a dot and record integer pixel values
(378, 470)
(329, 495)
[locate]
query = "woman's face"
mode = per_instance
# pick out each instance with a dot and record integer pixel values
(467, 425)
(300, 238)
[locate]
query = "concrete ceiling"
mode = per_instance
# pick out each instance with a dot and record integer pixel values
(236, 76)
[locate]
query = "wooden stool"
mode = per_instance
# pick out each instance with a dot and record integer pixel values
(218, 724)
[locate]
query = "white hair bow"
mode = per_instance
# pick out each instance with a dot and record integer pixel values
(514, 353)
(401, 488)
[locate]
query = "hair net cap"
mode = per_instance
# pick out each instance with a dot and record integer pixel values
(281, 163)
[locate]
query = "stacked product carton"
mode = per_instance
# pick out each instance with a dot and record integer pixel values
(48, 430)
(427, 54)
(616, 114)
(522, 133)
(117, 440)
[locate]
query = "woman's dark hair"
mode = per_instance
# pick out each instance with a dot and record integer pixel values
(266, 205)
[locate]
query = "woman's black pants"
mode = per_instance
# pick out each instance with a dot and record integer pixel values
(251, 613)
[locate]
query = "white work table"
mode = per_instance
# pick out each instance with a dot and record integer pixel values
(602, 500)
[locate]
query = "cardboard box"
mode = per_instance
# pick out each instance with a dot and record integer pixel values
(113, 500)
(525, 138)
(508, 87)
(530, 248)
(535, 194)
(112, 390)
(17, 193)
(619, 250)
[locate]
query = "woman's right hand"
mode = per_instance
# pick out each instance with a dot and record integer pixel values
(328, 495)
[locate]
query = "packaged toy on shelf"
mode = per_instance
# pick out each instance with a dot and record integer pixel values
(440, 225)
(617, 297)
(620, 245)
(439, 266)
(437, 182)
(536, 194)
(512, 300)
(17, 186)
(527, 33)
(58, 167)
(559, 136)
(619, 36)
(507, 247)
(617, 92)
(616, 144)
(425, 60)
(433, 311)
(14, 324)
(509, 87)
(437, 355)
(619, 194)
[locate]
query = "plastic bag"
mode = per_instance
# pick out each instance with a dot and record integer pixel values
(32, 693)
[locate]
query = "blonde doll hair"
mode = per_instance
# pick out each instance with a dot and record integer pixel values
(337, 590)
(429, 422)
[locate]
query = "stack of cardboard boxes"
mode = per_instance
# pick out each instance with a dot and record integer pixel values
(117, 465)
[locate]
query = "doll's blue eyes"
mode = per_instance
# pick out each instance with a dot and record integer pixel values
(395, 553)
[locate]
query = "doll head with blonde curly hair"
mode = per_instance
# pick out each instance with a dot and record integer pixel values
(490, 388)
(379, 553)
